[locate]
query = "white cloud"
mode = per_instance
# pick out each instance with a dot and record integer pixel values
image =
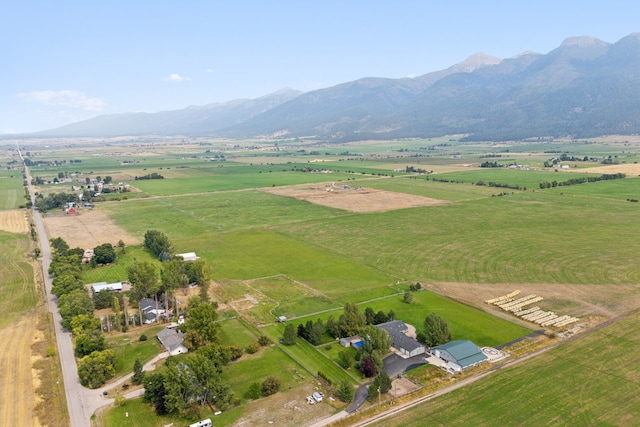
(64, 98)
(209, 70)
(175, 77)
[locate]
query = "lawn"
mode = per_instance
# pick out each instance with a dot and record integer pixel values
(256, 367)
(128, 348)
(591, 381)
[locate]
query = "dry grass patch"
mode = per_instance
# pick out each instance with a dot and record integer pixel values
(353, 199)
(88, 229)
(287, 409)
(594, 301)
(14, 221)
(16, 387)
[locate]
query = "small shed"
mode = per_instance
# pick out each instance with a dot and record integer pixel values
(188, 256)
(104, 286)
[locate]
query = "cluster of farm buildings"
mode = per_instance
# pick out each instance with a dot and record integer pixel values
(455, 356)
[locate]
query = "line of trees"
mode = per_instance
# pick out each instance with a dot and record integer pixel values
(583, 180)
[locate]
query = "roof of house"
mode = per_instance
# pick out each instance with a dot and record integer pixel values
(465, 352)
(396, 330)
(147, 304)
(171, 339)
(393, 326)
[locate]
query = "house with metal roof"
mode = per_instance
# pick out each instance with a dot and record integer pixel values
(459, 355)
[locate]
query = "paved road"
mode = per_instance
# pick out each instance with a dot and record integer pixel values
(79, 411)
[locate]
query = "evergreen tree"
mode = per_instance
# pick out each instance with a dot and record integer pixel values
(289, 337)
(138, 373)
(346, 391)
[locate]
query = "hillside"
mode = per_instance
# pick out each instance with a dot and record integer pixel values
(584, 88)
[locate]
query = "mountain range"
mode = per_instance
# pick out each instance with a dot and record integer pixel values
(585, 87)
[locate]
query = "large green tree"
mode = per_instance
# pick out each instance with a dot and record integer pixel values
(157, 242)
(96, 368)
(436, 330)
(351, 320)
(144, 280)
(104, 254)
(201, 327)
(74, 303)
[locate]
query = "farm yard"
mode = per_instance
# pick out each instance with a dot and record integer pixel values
(292, 235)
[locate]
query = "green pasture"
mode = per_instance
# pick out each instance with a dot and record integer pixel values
(620, 189)
(250, 178)
(235, 332)
(18, 293)
(419, 186)
(205, 215)
(527, 237)
(529, 179)
(588, 382)
(11, 191)
(260, 253)
(117, 271)
(289, 297)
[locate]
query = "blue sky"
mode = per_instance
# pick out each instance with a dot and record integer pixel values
(65, 61)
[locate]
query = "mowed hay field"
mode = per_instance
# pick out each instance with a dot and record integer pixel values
(588, 382)
(14, 221)
(18, 297)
